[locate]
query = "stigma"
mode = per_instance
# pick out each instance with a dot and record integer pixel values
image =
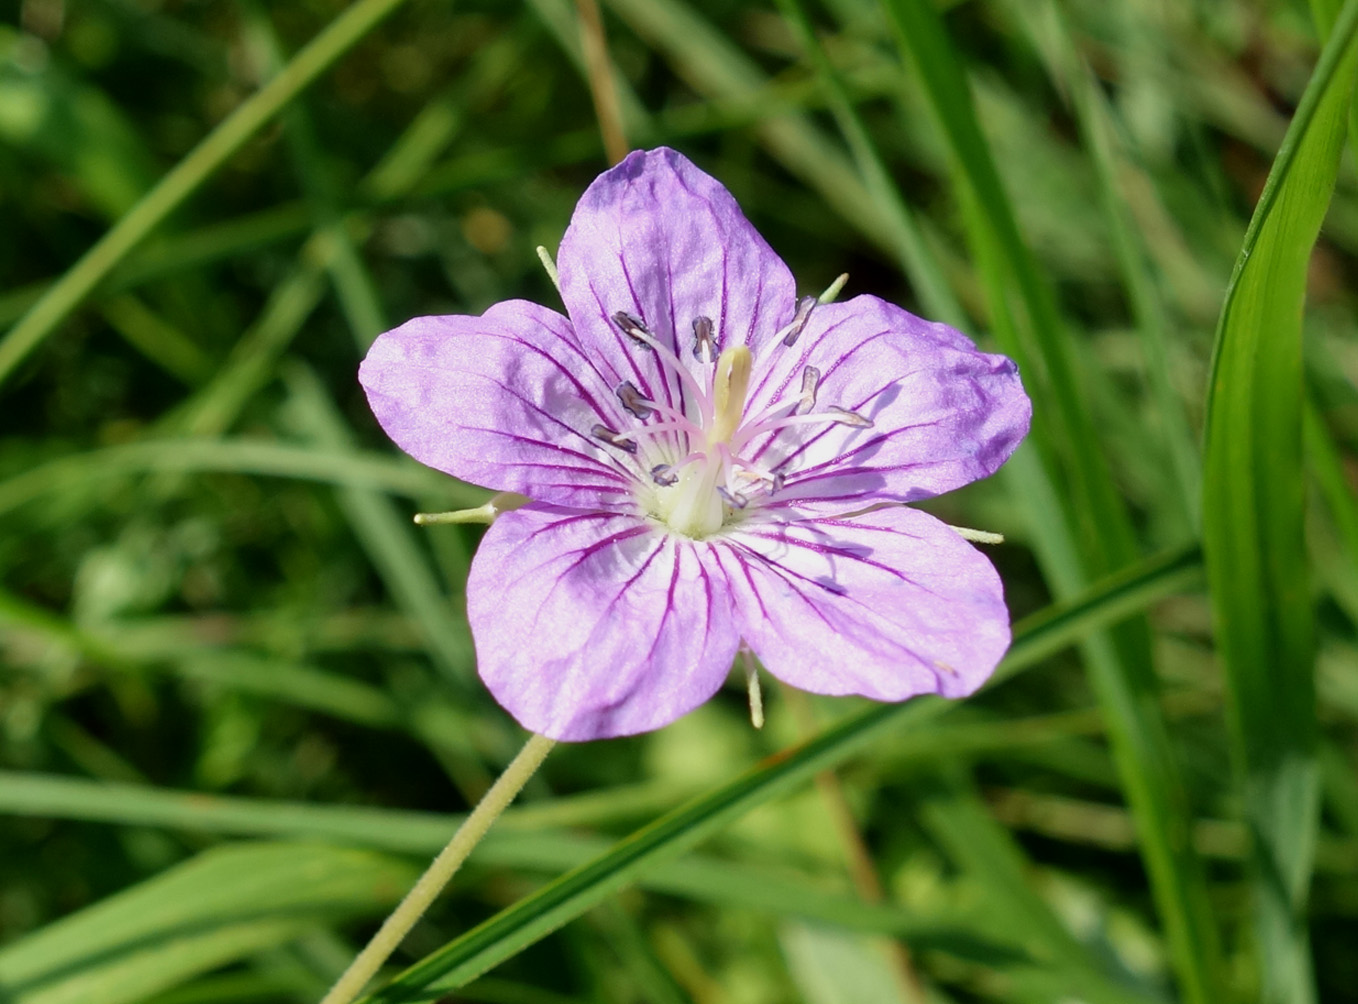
(694, 461)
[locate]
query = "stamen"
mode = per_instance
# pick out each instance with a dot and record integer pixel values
(734, 499)
(851, 418)
(803, 314)
(791, 406)
(663, 475)
(634, 328)
(633, 401)
(613, 439)
(657, 429)
(704, 341)
(839, 416)
(810, 381)
(775, 480)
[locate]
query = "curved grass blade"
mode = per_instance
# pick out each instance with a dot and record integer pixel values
(223, 905)
(566, 898)
(187, 176)
(1254, 501)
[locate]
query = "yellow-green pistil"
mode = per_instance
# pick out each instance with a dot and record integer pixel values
(693, 506)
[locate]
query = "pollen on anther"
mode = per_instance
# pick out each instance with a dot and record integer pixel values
(633, 327)
(704, 341)
(613, 439)
(851, 418)
(810, 381)
(803, 314)
(633, 401)
(734, 499)
(663, 475)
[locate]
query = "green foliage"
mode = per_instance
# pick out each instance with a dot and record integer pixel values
(1254, 500)
(238, 702)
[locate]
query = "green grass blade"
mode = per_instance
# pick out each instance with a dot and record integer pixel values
(239, 456)
(67, 293)
(959, 821)
(1029, 326)
(1254, 501)
(917, 262)
(1098, 131)
(223, 905)
(388, 538)
(717, 67)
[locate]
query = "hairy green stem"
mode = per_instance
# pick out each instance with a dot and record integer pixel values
(432, 882)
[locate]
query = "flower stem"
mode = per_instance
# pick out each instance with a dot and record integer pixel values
(431, 883)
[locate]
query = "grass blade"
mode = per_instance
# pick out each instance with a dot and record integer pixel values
(67, 293)
(223, 905)
(1254, 500)
(1029, 326)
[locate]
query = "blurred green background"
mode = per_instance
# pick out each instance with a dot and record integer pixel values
(237, 690)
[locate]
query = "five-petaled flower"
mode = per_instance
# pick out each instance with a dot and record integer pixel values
(712, 463)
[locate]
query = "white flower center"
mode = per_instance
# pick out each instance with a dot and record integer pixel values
(695, 472)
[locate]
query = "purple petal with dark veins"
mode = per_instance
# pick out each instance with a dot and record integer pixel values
(591, 624)
(888, 605)
(943, 413)
(658, 238)
(505, 400)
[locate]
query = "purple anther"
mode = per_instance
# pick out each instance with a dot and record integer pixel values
(803, 314)
(704, 340)
(633, 401)
(810, 381)
(734, 499)
(634, 328)
(846, 417)
(613, 439)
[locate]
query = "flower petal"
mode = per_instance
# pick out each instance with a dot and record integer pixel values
(590, 624)
(506, 400)
(658, 238)
(888, 605)
(943, 414)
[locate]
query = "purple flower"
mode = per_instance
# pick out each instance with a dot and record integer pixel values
(712, 462)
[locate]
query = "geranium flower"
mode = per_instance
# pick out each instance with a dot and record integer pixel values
(712, 463)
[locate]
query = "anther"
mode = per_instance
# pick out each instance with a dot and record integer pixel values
(734, 499)
(777, 484)
(633, 327)
(704, 341)
(845, 417)
(663, 475)
(613, 439)
(633, 401)
(803, 314)
(810, 381)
